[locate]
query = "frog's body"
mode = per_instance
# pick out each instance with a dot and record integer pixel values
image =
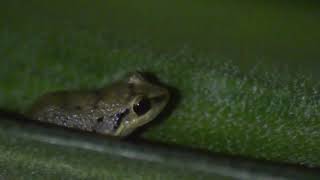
(115, 110)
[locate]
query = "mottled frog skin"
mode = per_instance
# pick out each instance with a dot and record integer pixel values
(115, 110)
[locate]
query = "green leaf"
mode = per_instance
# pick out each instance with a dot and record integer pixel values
(251, 106)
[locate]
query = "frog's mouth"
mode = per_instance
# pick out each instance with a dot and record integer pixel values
(110, 126)
(157, 104)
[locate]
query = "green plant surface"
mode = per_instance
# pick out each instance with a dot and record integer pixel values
(277, 32)
(264, 116)
(32, 159)
(54, 152)
(240, 107)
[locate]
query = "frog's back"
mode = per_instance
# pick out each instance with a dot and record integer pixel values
(43, 103)
(115, 110)
(62, 108)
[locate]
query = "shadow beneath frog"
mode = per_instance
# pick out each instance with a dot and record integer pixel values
(175, 98)
(20, 119)
(5, 113)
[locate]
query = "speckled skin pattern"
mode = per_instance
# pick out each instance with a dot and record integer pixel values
(70, 114)
(107, 111)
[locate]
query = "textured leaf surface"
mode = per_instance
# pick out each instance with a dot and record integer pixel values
(240, 106)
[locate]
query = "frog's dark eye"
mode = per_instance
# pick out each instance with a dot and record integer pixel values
(142, 107)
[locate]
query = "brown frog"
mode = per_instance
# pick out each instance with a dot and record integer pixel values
(114, 110)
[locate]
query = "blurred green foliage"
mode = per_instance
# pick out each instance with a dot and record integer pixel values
(246, 71)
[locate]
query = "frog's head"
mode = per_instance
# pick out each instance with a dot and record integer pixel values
(141, 101)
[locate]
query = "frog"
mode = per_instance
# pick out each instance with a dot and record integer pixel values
(114, 110)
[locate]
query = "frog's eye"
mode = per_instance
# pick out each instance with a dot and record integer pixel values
(142, 107)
